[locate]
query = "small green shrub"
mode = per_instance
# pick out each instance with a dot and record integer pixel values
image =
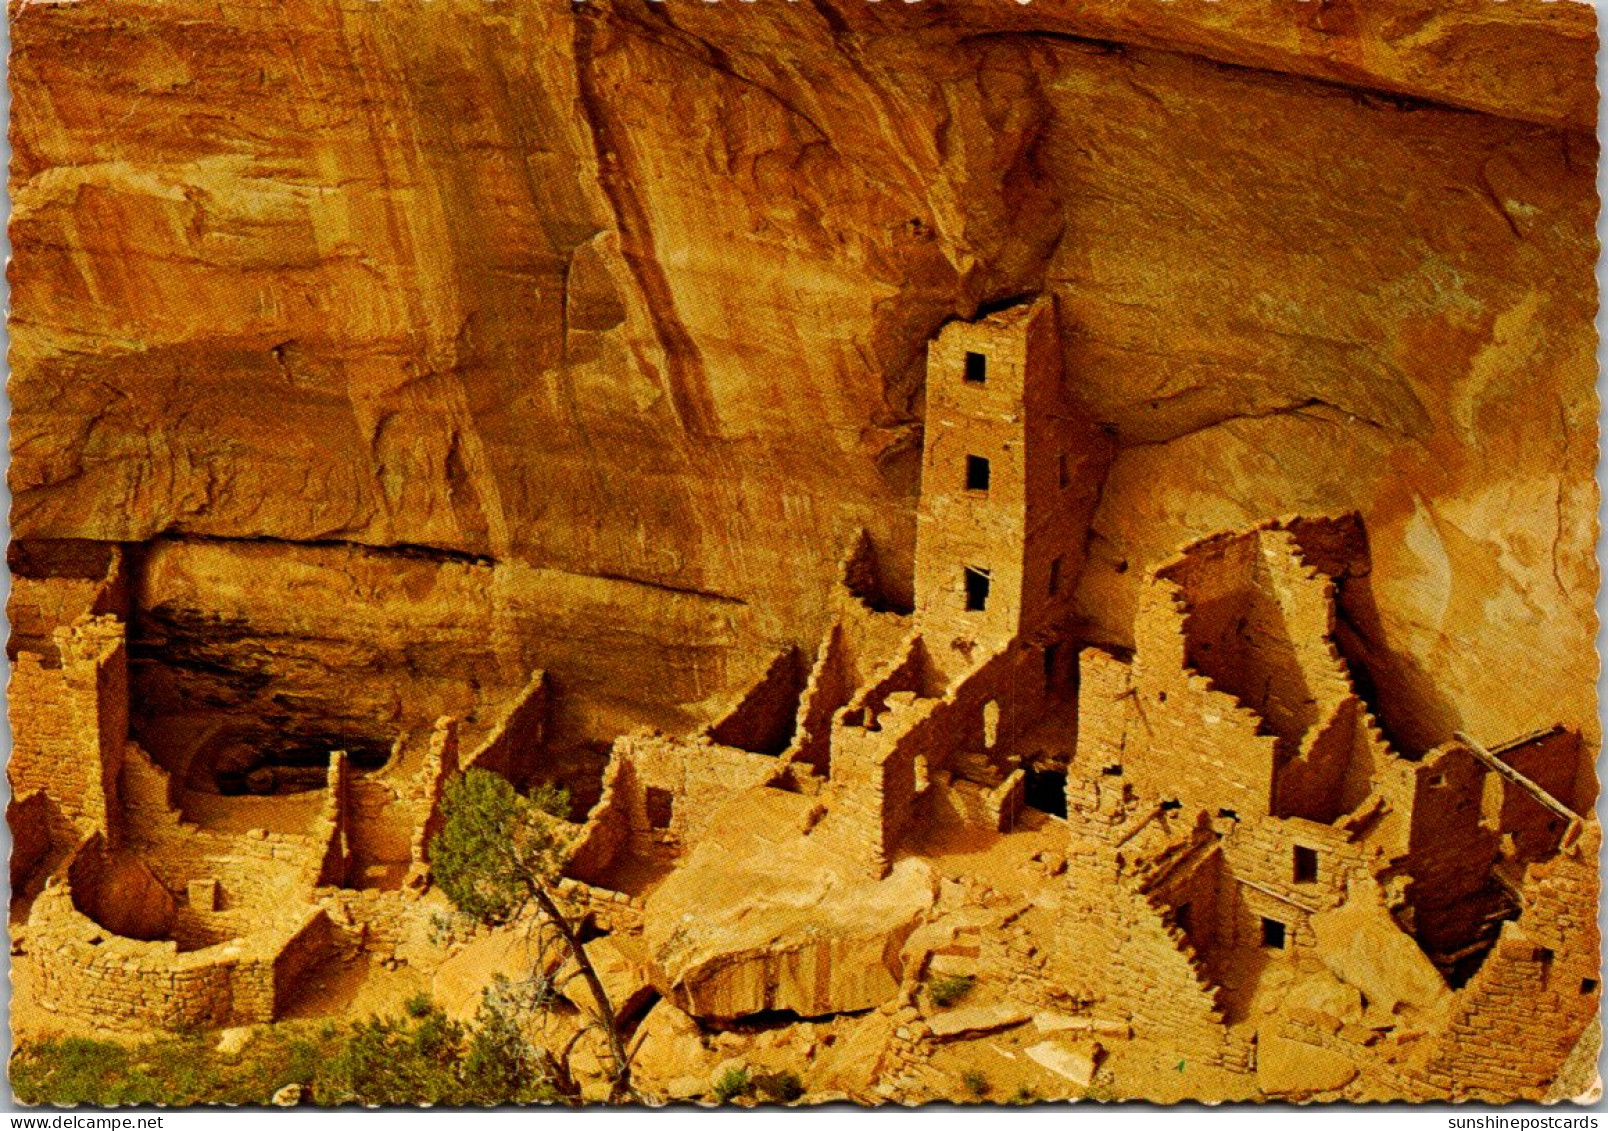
(174, 1070)
(422, 1057)
(778, 1087)
(977, 1085)
(945, 992)
(733, 1083)
(1025, 1095)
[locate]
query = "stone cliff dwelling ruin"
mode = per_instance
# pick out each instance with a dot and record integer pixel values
(1216, 848)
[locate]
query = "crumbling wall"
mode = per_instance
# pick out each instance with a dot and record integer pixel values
(112, 982)
(1553, 760)
(1236, 631)
(70, 722)
(1190, 895)
(1123, 951)
(608, 827)
(675, 783)
(1106, 710)
(875, 777)
(831, 683)
(424, 793)
(765, 716)
(333, 866)
(54, 582)
(1193, 742)
(514, 745)
(1517, 1019)
(1453, 805)
(1263, 880)
(1313, 783)
(888, 744)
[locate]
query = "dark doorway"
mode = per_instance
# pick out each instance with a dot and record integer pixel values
(1306, 865)
(976, 368)
(977, 583)
(977, 473)
(1046, 791)
(1272, 934)
(661, 804)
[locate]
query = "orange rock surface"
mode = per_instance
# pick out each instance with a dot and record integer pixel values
(501, 381)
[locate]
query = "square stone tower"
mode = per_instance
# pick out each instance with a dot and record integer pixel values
(1010, 473)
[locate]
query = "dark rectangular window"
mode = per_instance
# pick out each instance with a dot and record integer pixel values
(1055, 577)
(1588, 985)
(661, 805)
(977, 473)
(976, 369)
(976, 589)
(1051, 653)
(1306, 864)
(1181, 917)
(1272, 934)
(1062, 475)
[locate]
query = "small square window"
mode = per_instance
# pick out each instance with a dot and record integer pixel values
(977, 583)
(1055, 577)
(1542, 955)
(976, 368)
(977, 473)
(1272, 934)
(1306, 865)
(1588, 985)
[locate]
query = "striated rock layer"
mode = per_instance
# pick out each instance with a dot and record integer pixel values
(639, 292)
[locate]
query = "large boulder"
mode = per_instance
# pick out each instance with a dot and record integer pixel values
(747, 926)
(512, 951)
(1291, 1069)
(1362, 946)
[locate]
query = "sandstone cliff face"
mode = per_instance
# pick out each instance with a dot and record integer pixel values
(640, 292)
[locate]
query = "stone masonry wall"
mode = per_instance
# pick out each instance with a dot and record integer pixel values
(1193, 742)
(1045, 467)
(763, 718)
(1539, 988)
(1136, 964)
(608, 827)
(694, 775)
(515, 742)
(114, 982)
(70, 723)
